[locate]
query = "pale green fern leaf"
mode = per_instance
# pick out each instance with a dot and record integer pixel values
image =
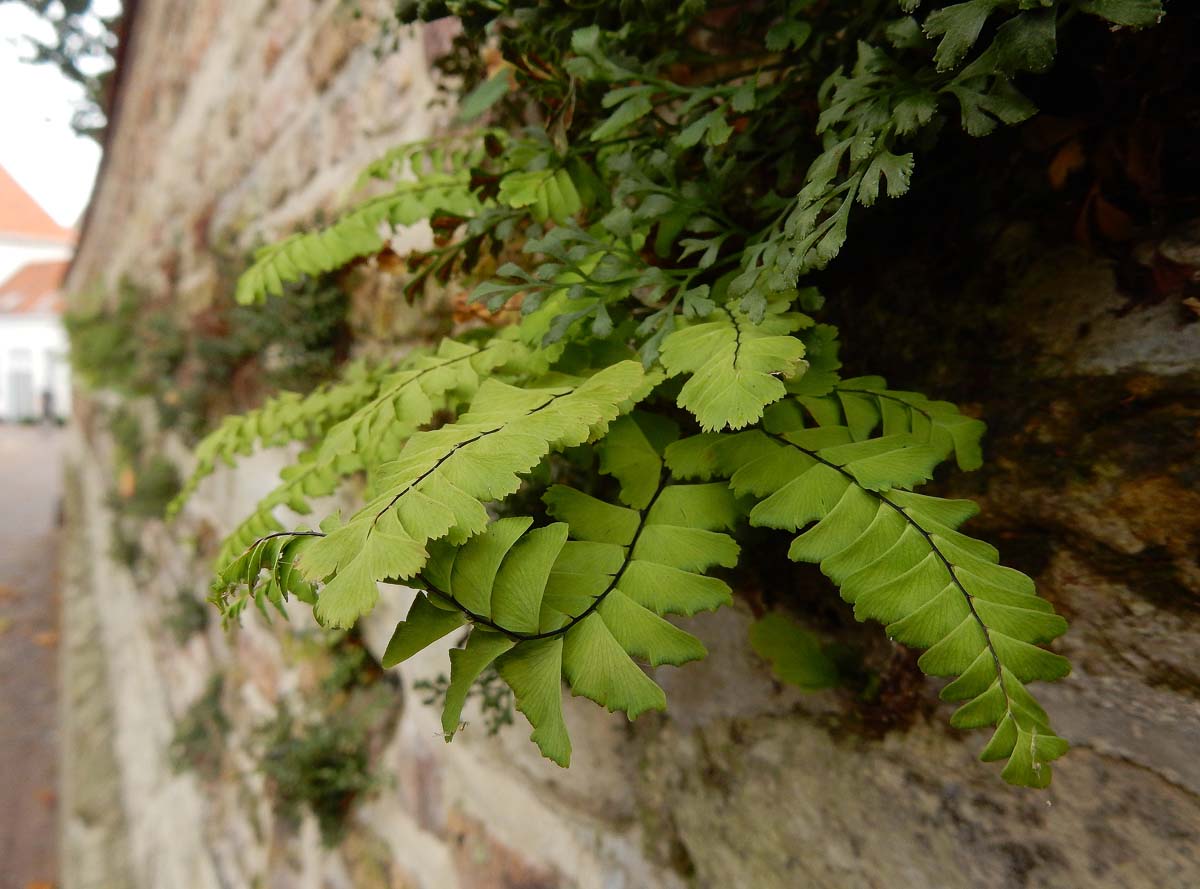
(579, 599)
(549, 194)
(360, 233)
(736, 367)
(442, 478)
(408, 398)
(452, 153)
(426, 623)
(283, 418)
(533, 670)
(264, 574)
(866, 407)
(482, 648)
(375, 432)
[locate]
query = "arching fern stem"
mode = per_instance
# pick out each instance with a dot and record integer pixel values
(455, 449)
(480, 619)
(597, 601)
(933, 547)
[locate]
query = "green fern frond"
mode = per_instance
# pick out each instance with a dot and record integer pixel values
(899, 559)
(549, 194)
(408, 398)
(264, 574)
(448, 154)
(577, 600)
(376, 431)
(866, 407)
(795, 654)
(360, 233)
(737, 366)
(442, 478)
(283, 418)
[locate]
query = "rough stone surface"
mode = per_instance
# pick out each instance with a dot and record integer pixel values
(94, 832)
(242, 120)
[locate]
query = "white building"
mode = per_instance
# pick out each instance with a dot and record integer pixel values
(35, 377)
(27, 233)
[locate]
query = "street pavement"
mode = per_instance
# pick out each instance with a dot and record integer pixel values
(30, 490)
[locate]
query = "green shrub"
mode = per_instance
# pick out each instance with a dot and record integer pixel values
(191, 365)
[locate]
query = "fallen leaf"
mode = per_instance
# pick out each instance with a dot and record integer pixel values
(1046, 131)
(1066, 161)
(1143, 156)
(126, 483)
(1143, 385)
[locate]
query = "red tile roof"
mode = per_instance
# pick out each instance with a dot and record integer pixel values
(34, 288)
(21, 215)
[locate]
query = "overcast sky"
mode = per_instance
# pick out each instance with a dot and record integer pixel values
(37, 146)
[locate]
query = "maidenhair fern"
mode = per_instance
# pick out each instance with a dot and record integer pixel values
(898, 558)
(439, 482)
(284, 418)
(556, 486)
(441, 184)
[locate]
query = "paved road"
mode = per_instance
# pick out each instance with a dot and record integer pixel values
(29, 493)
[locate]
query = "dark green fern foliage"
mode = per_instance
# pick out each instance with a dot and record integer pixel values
(691, 166)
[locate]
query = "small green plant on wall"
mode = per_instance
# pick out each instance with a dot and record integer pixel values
(146, 483)
(656, 187)
(195, 366)
(316, 751)
(186, 615)
(198, 743)
(320, 766)
(320, 760)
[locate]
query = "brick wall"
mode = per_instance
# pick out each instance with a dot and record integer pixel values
(240, 119)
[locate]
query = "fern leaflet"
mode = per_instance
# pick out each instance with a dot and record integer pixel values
(899, 559)
(361, 232)
(865, 406)
(283, 418)
(442, 478)
(735, 364)
(578, 599)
